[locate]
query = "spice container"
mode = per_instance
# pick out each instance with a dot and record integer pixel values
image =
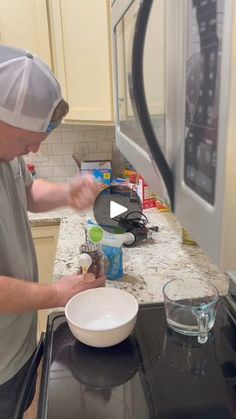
(133, 189)
(96, 253)
(31, 168)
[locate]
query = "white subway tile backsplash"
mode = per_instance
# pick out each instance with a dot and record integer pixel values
(45, 172)
(73, 136)
(62, 149)
(93, 147)
(82, 150)
(96, 135)
(78, 127)
(64, 127)
(54, 159)
(54, 138)
(104, 147)
(111, 133)
(36, 158)
(57, 179)
(69, 161)
(100, 156)
(28, 158)
(44, 150)
(92, 127)
(65, 171)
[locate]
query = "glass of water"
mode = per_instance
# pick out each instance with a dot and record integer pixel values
(190, 306)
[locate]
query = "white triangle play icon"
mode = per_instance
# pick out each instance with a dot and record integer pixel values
(116, 209)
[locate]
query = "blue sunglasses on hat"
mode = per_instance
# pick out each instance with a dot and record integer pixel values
(52, 126)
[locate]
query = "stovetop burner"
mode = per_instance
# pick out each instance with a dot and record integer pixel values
(154, 374)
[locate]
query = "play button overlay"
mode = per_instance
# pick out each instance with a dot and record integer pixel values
(116, 209)
(113, 205)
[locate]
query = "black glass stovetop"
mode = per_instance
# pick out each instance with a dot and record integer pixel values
(153, 374)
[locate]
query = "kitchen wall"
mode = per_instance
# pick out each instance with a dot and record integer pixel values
(54, 159)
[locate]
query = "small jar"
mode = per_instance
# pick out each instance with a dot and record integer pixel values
(96, 253)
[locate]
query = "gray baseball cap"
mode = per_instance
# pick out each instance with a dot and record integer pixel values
(29, 90)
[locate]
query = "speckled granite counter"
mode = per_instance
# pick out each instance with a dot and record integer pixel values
(148, 266)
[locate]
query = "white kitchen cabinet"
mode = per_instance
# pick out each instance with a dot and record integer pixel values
(81, 50)
(45, 238)
(24, 24)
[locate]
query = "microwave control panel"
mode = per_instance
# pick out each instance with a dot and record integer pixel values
(203, 68)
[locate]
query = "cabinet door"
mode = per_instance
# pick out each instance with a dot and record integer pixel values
(24, 24)
(80, 31)
(45, 241)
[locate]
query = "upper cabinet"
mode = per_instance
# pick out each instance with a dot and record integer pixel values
(24, 24)
(73, 37)
(81, 51)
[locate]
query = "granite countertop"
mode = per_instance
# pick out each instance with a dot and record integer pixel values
(148, 266)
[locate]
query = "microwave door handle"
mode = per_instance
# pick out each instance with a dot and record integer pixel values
(139, 99)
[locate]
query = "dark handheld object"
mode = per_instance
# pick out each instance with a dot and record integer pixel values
(135, 222)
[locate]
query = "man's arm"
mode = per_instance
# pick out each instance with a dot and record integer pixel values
(18, 296)
(43, 196)
(80, 194)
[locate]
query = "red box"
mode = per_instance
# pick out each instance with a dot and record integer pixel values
(147, 197)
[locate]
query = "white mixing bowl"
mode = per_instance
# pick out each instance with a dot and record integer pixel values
(101, 317)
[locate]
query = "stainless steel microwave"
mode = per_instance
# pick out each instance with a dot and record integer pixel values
(175, 94)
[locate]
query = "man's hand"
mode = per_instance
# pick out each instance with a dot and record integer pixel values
(70, 285)
(82, 192)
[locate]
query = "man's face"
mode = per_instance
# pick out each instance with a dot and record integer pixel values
(16, 142)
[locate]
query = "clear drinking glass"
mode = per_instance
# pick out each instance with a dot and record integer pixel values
(190, 306)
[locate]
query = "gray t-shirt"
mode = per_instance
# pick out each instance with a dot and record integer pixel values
(17, 259)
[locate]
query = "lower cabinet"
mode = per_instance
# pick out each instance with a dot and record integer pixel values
(45, 238)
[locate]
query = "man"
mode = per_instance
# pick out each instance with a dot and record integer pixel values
(31, 106)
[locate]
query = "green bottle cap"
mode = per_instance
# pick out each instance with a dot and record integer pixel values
(95, 234)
